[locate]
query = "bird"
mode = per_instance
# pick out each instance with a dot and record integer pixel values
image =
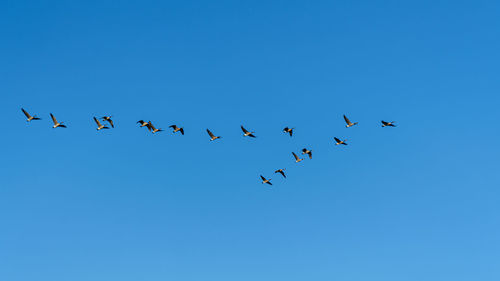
(297, 159)
(99, 125)
(308, 152)
(247, 133)
(56, 124)
(281, 171)
(264, 180)
(108, 119)
(349, 123)
(388, 124)
(288, 130)
(29, 116)
(153, 129)
(177, 129)
(338, 141)
(212, 136)
(144, 124)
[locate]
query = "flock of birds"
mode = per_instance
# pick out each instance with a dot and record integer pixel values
(149, 125)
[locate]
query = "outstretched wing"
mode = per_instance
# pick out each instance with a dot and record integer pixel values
(244, 130)
(150, 126)
(210, 133)
(182, 131)
(295, 155)
(111, 123)
(347, 120)
(53, 118)
(97, 122)
(141, 122)
(336, 139)
(263, 178)
(384, 123)
(26, 113)
(173, 126)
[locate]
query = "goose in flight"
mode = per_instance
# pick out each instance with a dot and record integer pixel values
(99, 125)
(212, 136)
(29, 116)
(297, 159)
(144, 124)
(108, 119)
(288, 130)
(308, 152)
(264, 180)
(56, 124)
(153, 129)
(338, 141)
(177, 129)
(281, 171)
(247, 133)
(388, 124)
(348, 122)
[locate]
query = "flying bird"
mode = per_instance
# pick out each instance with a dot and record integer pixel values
(247, 133)
(144, 124)
(264, 180)
(288, 130)
(308, 152)
(348, 122)
(177, 129)
(212, 136)
(108, 119)
(388, 124)
(338, 141)
(153, 129)
(297, 159)
(281, 171)
(56, 124)
(29, 116)
(99, 125)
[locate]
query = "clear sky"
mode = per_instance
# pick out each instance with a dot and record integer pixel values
(411, 203)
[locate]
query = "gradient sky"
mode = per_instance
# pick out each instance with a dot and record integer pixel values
(416, 202)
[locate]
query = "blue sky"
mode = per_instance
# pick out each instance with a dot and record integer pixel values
(416, 202)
